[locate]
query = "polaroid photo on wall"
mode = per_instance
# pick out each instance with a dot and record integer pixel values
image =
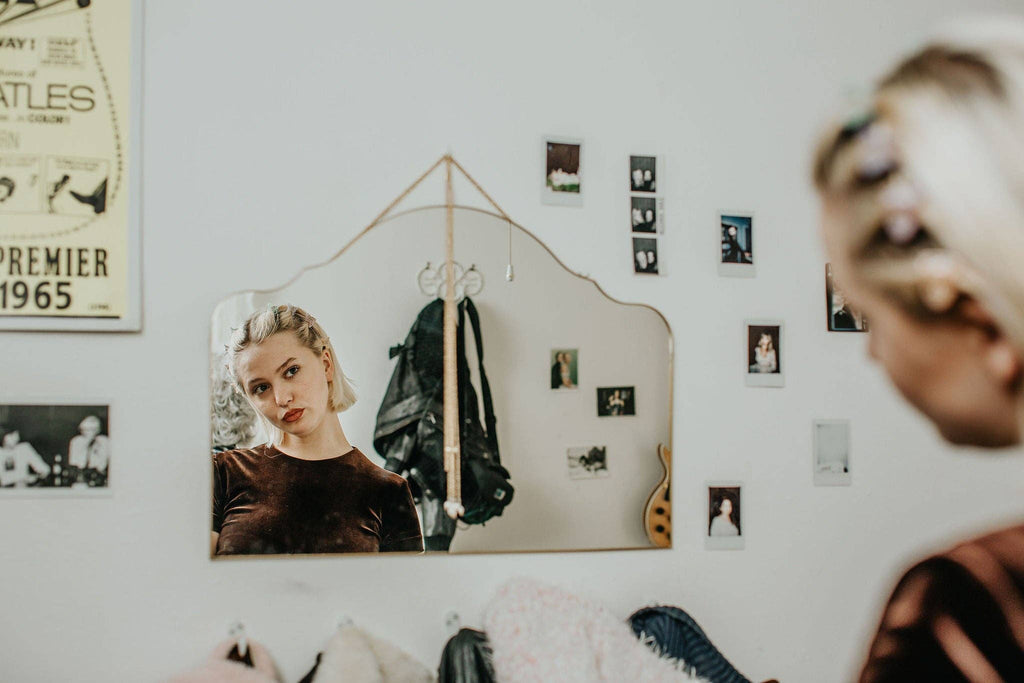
(832, 453)
(55, 448)
(565, 369)
(736, 258)
(563, 174)
(643, 174)
(645, 255)
(763, 342)
(587, 462)
(724, 523)
(616, 401)
(841, 316)
(643, 214)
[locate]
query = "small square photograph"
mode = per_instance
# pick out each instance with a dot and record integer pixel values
(645, 255)
(832, 453)
(841, 316)
(565, 368)
(614, 401)
(724, 525)
(644, 214)
(562, 175)
(764, 353)
(587, 462)
(737, 233)
(54, 447)
(643, 174)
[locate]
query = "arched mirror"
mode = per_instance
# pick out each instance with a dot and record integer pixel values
(581, 384)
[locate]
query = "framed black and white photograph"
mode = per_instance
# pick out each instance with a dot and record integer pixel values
(724, 523)
(562, 172)
(565, 368)
(643, 174)
(841, 316)
(587, 462)
(616, 401)
(645, 255)
(643, 214)
(832, 453)
(736, 258)
(54, 448)
(763, 346)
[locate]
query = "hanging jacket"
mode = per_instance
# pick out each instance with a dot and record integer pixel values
(466, 659)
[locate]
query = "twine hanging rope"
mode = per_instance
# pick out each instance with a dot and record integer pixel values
(452, 451)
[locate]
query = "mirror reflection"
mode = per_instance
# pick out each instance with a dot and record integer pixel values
(326, 401)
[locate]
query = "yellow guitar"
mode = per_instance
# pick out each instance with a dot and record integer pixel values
(658, 509)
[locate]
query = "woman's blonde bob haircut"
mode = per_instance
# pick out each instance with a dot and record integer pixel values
(932, 177)
(272, 320)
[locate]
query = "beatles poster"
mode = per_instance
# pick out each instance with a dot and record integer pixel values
(68, 227)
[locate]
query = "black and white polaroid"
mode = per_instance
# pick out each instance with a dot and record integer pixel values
(763, 348)
(643, 174)
(51, 448)
(565, 368)
(643, 214)
(724, 523)
(587, 462)
(563, 172)
(832, 453)
(841, 316)
(645, 255)
(615, 401)
(736, 258)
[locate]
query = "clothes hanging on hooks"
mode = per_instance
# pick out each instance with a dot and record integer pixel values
(355, 656)
(219, 668)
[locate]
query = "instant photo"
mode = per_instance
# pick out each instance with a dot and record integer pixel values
(724, 525)
(737, 255)
(841, 316)
(587, 462)
(564, 368)
(643, 214)
(645, 255)
(832, 453)
(616, 401)
(764, 342)
(643, 174)
(54, 448)
(563, 172)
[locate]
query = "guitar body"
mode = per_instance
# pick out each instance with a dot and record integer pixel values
(658, 509)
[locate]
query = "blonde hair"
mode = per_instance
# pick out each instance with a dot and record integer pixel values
(272, 320)
(933, 176)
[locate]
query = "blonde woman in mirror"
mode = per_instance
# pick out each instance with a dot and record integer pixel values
(307, 490)
(20, 464)
(722, 519)
(923, 218)
(89, 453)
(765, 359)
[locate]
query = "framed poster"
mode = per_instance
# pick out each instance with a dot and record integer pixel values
(69, 190)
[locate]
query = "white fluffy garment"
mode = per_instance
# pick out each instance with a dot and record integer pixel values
(542, 633)
(354, 656)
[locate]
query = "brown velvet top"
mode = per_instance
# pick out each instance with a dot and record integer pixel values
(958, 616)
(265, 501)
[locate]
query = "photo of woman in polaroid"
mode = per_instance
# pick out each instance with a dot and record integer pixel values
(307, 490)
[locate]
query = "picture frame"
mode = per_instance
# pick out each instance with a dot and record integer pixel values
(724, 527)
(830, 463)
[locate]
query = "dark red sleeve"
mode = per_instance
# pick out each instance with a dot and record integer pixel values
(401, 523)
(944, 623)
(219, 495)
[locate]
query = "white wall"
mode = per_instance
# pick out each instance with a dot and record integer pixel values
(269, 134)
